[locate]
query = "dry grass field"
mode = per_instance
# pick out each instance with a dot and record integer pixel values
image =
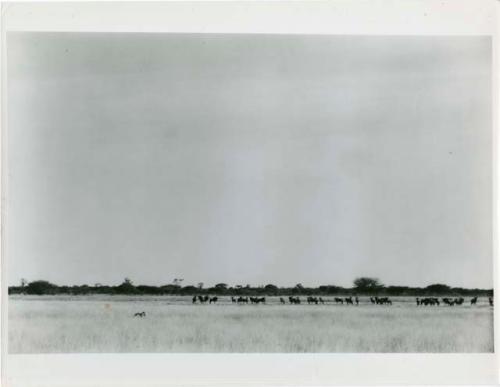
(172, 324)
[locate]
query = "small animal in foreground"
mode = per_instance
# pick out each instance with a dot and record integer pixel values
(140, 314)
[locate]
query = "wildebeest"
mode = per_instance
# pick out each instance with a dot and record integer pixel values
(242, 300)
(451, 302)
(357, 300)
(203, 299)
(348, 301)
(429, 301)
(194, 300)
(490, 300)
(140, 314)
(233, 300)
(473, 301)
(372, 300)
(321, 300)
(282, 300)
(312, 300)
(257, 300)
(294, 300)
(447, 301)
(213, 299)
(383, 301)
(338, 300)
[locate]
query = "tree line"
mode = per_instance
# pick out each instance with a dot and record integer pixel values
(361, 286)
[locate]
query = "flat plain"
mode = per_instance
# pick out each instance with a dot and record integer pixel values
(97, 324)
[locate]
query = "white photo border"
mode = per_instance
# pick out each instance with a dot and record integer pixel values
(375, 17)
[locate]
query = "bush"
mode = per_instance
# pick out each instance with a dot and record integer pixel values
(41, 287)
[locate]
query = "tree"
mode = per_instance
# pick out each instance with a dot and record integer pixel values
(190, 289)
(41, 287)
(200, 285)
(126, 287)
(438, 289)
(271, 287)
(221, 286)
(330, 289)
(367, 284)
(397, 290)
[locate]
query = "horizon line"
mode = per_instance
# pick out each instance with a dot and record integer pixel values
(205, 286)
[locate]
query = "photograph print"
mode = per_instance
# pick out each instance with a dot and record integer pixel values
(248, 193)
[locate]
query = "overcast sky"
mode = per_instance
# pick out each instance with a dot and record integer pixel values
(249, 159)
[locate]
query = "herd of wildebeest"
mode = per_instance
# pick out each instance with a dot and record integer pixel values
(295, 300)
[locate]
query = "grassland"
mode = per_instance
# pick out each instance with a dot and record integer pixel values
(106, 324)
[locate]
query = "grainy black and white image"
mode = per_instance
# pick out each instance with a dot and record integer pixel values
(248, 193)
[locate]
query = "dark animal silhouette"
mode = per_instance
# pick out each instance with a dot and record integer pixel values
(429, 301)
(194, 300)
(348, 301)
(447, 301)
(418, 301)
(140, 314)
(356, 299)
(233, 300)
(203, 299)
(473, 301)
(294, 300)
(321, 301)
(312, 300)
(490, 300)
(243, 300)
(339, 300)
(372, 300)
(383, 301)
(451, 302)
(213, 299)
(282, 300)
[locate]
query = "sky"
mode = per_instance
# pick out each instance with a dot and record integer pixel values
(249, 159)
